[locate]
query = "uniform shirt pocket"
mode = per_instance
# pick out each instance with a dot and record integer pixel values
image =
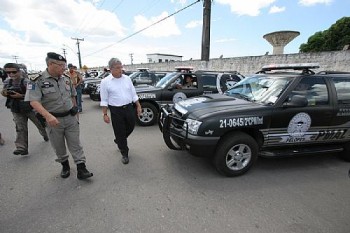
(48, 90)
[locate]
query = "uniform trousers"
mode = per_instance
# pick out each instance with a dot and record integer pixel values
(67, 131)
(21, 121)
(123, 121)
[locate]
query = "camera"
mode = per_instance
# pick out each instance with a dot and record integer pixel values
(12, 91)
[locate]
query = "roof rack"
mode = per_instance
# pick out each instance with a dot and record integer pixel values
(220, 71)
(333, 72)
(142, 69)
(304, 67)
(184, 69)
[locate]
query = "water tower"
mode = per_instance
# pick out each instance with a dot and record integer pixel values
(280, 39)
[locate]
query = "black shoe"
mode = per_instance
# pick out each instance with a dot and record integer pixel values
(20, 152)
(46, 138)
(83, 173)
(65, 169)
(125, 159)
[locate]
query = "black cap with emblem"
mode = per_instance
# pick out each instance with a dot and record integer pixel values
(55, 56)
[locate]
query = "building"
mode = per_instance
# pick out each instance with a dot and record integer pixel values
(159, 58)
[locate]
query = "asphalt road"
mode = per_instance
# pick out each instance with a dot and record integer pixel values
(163, 190)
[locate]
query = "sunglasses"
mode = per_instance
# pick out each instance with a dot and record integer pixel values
(11, 72)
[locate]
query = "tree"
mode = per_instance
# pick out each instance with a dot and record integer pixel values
(335, 38)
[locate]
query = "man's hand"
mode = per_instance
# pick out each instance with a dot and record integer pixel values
(106, 118)
(52, 121)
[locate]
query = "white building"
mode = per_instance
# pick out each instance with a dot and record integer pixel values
(159, 58)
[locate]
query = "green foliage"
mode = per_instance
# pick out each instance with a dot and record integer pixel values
(332, 39)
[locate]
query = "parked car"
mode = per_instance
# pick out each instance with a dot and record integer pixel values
(166, 91)
(90, 83)
(271, 113)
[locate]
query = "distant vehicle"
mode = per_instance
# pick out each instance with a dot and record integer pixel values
(90, 83)
(283, 110)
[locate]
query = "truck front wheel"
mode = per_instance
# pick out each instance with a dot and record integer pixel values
(148, 116)
(235, 154)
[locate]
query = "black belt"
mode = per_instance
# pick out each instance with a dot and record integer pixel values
(123, 106)
(60, 114)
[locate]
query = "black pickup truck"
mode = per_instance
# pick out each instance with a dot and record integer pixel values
(171, 89)
(283, 110)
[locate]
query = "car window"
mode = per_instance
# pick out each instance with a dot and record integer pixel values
(342, 86)
(314, 89)
(209, 81)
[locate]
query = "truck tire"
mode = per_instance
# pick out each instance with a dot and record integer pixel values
(148, 116)
(235, 154)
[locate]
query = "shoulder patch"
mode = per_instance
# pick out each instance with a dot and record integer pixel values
(34, 77)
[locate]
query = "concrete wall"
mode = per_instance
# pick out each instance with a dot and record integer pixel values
(335, 60)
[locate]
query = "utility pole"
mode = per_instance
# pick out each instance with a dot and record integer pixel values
(15, 57)
(131, 57)
(64, 53)
(206, 30)
(82, 39)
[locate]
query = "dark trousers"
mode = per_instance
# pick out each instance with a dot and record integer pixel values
(123, 121)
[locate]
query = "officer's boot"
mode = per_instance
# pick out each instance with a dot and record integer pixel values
(83, 173)
(65, 169)
(125, 156)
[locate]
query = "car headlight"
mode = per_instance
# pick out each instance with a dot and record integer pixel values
(193, 126)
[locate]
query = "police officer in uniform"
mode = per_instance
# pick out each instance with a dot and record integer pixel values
(52, 94)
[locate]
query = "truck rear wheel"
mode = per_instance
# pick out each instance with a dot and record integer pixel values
(235, 154)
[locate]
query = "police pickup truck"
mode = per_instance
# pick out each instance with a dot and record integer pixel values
(172, 88)
(283, 110)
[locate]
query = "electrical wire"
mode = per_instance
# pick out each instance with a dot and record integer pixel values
(133, 34)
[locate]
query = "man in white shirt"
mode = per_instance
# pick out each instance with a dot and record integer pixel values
(119, 96)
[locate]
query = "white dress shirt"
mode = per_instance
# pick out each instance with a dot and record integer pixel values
(117, 91)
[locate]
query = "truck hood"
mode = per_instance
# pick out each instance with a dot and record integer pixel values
(200, 107)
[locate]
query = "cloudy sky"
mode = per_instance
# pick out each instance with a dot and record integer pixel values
(116, 28)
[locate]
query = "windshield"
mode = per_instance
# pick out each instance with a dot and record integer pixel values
(134, 74)
(164, 81)
(260, 88)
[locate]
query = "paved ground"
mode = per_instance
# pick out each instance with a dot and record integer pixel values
(163, 190)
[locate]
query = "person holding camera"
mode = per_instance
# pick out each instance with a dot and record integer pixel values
(52, 94)
(14, 90)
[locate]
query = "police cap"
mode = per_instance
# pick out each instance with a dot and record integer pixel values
(56, 56)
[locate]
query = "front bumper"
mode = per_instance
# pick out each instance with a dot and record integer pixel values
(177, 137)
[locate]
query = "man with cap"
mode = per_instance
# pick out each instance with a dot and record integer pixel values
(53, 96)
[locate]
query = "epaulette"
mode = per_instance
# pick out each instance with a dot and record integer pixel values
(34, 77)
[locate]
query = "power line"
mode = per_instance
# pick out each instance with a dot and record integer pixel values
(143, 29)
(82, 39)
(85, 17)
(111, 12)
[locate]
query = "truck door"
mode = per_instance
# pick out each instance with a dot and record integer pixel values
(292, 125)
